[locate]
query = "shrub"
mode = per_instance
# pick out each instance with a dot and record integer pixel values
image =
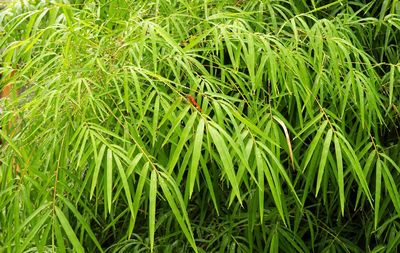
(175, 126)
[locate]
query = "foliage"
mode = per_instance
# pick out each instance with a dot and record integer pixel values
(294, 146)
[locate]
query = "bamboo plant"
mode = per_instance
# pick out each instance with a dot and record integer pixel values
(200, 126)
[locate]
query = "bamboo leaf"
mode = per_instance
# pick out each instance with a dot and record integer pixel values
(82, 221)
(324, 156)
(180, 215)
(124, 180)
(68, 230)
(152, 207)
(138, 196)
(226, 160)
(287, 138)
(355, 166)
(98, 162)
(260, 180)
(391, 187)
(35, 229)
(378, 182)
(340, 176)
(313, 145)
(198, 141)
(109, 179)
(183, 138)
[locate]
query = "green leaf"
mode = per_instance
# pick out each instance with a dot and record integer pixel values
(340, 176)
(355, 166)
(378, 181)
(82, 221)
(68, 230)
(313, 145)
(260, 181)
(391, 84)
(124, 180)
(138, 196)
(197, 144)
(152, 207)
(274, 248)
(98, 162)
(226, 160)
(324, 156)
(391, 187)
(109, 179)
(181, 216)
(183, 138)
(34, 230)
(176, 122)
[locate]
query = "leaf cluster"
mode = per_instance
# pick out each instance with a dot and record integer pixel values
(205, 126)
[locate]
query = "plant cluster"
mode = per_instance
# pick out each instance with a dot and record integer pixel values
(200, 126)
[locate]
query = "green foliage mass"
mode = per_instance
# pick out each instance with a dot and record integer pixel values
(293, 146)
